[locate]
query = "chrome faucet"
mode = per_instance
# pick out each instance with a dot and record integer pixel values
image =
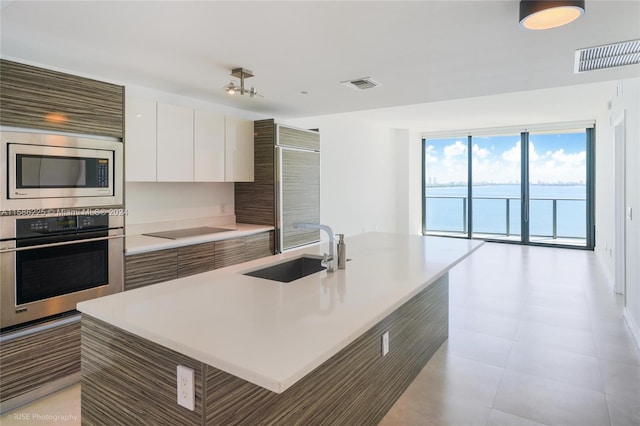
(328, 258)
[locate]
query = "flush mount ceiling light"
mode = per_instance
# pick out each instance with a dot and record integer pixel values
(547, 14)
(232, 88)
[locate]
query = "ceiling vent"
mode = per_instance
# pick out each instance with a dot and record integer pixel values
(607, 56)
(361, 83)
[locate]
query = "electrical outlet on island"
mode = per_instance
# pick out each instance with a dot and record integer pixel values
(186, 387)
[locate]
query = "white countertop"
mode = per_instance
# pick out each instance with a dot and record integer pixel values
(135, 244)
(272, 334)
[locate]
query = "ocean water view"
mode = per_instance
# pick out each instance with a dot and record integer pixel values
(496, 209)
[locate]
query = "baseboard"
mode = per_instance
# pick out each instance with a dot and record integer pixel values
(632, 326)
(610, 279)
(47, 389)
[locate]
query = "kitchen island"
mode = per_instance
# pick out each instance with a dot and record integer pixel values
(265, 352)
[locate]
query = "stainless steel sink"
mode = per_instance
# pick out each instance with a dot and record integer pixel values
(291, 270)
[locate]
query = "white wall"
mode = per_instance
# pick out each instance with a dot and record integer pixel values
(409, 177)
(625, 101)
(357, 172)
(605, 202)
(151, 205)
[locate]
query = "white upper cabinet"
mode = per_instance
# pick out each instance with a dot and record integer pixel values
(170, 143)
(208, 147)
(239, 150)
(175, 144)
(140, 140)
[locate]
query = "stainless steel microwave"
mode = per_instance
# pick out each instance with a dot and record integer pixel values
(46, 171)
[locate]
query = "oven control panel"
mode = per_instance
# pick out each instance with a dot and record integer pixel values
(60, 224)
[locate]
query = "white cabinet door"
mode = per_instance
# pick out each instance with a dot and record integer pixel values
(208, 147)
(140, 140)
(239, 150)
(175, 143)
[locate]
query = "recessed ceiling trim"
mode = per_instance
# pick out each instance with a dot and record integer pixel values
(607, 56)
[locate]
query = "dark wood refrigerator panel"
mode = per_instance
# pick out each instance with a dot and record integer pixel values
(300, 196)
(298, 138)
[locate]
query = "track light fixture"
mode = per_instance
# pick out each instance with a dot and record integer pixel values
(232, 88)
(547, 14)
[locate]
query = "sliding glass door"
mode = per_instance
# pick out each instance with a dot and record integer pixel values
(558, 210)
(446, 189)
(532, 187)
(496, 187)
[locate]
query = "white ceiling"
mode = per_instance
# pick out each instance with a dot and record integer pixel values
(421, 51)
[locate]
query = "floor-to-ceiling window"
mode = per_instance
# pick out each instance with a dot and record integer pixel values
(528, 186)
(495, 172)
(446, 177)
(558, 187)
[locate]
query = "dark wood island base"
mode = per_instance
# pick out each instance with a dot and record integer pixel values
(130, 380)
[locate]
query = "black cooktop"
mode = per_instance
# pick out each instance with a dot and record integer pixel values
(186, 233)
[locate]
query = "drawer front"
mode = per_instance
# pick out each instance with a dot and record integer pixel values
(259, 245)
(32, 361)
(150, 268)
(196, 259)
(229, 252)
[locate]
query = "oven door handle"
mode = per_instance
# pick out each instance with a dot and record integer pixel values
(63, 243)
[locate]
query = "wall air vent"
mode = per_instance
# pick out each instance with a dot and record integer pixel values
(361, 83)
(607, 56)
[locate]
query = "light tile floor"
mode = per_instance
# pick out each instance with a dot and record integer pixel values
(536, 337)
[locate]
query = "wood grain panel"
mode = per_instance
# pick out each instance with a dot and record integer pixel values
(127, 380)
(357, 386)
(229, 252)
(255, 201)
(150, 268)
(196, 259)
(300, 196)
(259, 245)
(37, 98)
(298, 138)
(29, 362)
(264, 141)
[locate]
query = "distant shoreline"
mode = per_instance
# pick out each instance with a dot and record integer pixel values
(456, 185)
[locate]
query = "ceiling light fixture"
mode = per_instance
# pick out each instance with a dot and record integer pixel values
(547, 14)
(232, 88)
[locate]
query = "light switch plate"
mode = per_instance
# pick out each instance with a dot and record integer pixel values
(186, 387)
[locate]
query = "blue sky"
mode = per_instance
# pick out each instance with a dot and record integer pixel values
(553, 158)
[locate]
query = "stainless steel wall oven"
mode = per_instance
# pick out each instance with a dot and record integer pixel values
(61, 222)
(49, 263)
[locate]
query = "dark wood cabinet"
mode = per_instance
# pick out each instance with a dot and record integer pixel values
(150, 268)
(258, 245)
(38, 98)
(196, 259)
(255, 201)
(163, 265)
(229, 252)
(38, 358)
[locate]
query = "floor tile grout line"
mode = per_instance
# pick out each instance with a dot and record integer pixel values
(495, 395)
